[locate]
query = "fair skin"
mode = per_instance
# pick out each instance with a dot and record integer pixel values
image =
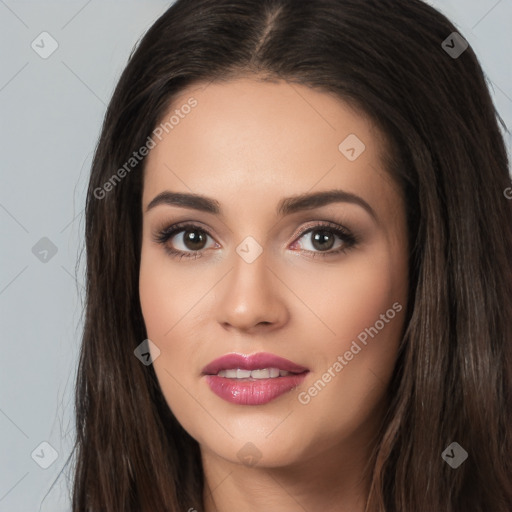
(247, 145)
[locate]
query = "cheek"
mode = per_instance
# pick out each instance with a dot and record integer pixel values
(350, 297)
(166, 299)
(365, 307)
(167, 295)
(156, 297)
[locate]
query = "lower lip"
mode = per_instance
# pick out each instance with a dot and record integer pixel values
(253, 392)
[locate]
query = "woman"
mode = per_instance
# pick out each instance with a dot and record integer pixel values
(298, 282)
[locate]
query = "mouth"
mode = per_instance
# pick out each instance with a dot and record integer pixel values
(261, 365)
(263, 373)
(252, 379)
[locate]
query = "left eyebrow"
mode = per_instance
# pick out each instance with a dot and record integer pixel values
(317, 199)
(286, 206)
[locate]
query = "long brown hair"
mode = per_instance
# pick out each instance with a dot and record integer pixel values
(453, 377)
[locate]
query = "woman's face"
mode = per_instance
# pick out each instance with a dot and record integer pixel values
(272, 264)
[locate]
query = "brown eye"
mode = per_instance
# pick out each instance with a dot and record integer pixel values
(327, 239)
(194, 239)
(185, 241)
(322, 240)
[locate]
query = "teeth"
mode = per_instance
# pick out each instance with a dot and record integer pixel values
(273, 372)
(265, 373)
(261, 374)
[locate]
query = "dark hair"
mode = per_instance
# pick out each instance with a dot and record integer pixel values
(453, 376)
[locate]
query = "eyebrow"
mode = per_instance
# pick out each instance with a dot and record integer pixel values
(286, 206)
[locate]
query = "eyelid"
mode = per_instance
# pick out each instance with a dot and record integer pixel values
(318, 224)
(164, 234)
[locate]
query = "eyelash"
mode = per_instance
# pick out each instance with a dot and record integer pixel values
(164, 235)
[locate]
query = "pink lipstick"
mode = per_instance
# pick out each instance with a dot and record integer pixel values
(254, 379)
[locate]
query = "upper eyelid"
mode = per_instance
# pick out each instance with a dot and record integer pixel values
(175, 229)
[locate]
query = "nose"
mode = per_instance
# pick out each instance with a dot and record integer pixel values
(252, 298)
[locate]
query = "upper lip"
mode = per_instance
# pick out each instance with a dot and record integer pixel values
(256, 361)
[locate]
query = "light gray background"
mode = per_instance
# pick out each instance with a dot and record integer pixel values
(51, 113)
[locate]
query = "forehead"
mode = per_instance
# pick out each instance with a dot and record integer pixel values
(249, 140)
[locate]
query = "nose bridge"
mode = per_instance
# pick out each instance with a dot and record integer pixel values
(250, 279)
(250, 295)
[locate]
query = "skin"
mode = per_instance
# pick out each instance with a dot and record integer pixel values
(248, 144)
